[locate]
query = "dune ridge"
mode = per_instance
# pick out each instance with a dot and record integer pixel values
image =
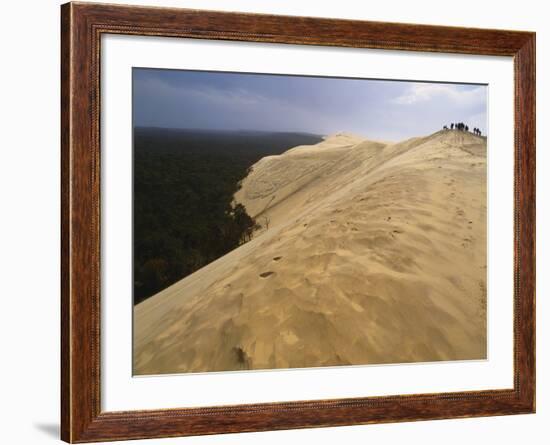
(374, 253)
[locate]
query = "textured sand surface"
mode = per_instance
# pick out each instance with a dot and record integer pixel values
(375, 253)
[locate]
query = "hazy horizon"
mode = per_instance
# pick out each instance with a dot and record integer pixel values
(228, 130)
(376, 109)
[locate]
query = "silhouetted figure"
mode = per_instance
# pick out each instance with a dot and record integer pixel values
(461, 126)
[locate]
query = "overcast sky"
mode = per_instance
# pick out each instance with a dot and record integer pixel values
(376, 109)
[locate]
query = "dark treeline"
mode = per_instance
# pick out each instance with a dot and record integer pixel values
(184, 182)
(461, 126)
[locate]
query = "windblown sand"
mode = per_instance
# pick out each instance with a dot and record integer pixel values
(374, 253)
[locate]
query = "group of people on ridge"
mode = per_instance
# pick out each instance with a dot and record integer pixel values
(461, 126)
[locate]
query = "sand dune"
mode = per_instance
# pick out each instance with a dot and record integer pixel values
(375, 253)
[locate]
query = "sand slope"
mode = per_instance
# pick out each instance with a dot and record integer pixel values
(375, 253)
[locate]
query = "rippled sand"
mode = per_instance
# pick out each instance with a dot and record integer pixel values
(375, 253)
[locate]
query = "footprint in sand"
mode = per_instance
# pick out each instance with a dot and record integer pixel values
(266, 274)
(467, 241)
(393, 232)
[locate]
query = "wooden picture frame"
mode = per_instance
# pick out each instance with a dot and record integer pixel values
(82, 25)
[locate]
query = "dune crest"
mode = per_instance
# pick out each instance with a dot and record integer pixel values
(374, 253)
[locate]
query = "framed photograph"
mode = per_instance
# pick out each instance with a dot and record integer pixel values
(274, 222)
